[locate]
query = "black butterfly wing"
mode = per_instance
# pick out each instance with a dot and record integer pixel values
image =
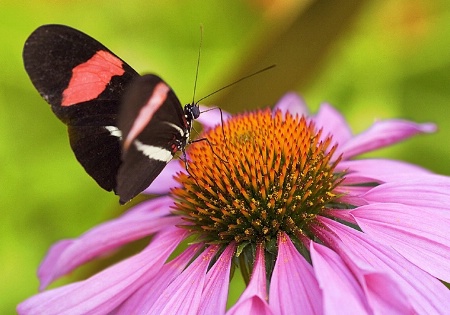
(153, 128)
(83, 81)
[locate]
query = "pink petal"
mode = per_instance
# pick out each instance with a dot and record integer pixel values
(145, 219)
(143, 299)
(426, 191)
(332, 123)
(351, 194)
(165, 181)
(341, 214)
(107, 289)
(293, 286)
(254, 298)
(363, 256)
(386, 299)
(183, 295)
(358, 179)
(382, 134)
(210, 116)
(293, 104)
(418, 234)
(215, 293)
(341, 291)
(252, 305)
(381, 169)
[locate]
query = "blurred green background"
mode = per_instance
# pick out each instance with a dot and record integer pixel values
(371, 59)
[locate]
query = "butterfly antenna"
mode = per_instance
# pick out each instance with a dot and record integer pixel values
(233, 83)
(198, 64)
(221, 114)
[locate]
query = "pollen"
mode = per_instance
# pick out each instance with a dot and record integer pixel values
(256, 175)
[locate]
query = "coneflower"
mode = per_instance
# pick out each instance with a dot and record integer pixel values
(277, 195)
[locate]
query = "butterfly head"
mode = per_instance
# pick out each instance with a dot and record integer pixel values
(191, 111)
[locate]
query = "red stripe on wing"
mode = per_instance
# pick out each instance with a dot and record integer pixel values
(146, 113)
(90, 78)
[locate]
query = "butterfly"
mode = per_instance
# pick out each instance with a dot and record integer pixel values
(123, 127)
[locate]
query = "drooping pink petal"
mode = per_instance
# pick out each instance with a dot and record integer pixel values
(381, 134)
(104, 291)
(254, 298)
(424, 293)
(342, 293)
(293, 286)
(183, 295)
(426, 191)
(165, 181)
(380, 169)
(145, 219)
(210, 116)
(215, 293)
(332, 123)
(143, 299)
(417, 233)
(293, 104)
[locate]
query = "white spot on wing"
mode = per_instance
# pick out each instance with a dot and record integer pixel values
(153, 152)
(180, 130)
(114, 131)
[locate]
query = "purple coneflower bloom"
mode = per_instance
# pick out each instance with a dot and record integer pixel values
(278, 194)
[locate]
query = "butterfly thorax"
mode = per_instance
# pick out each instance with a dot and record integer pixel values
(191, 112)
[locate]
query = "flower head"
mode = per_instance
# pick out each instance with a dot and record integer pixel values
(277, 195)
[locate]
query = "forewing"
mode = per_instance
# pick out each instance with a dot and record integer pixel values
(139, 170)
(68, 67)
(153, 125)
(83, 81)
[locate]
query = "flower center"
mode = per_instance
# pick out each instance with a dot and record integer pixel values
(258, 174)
